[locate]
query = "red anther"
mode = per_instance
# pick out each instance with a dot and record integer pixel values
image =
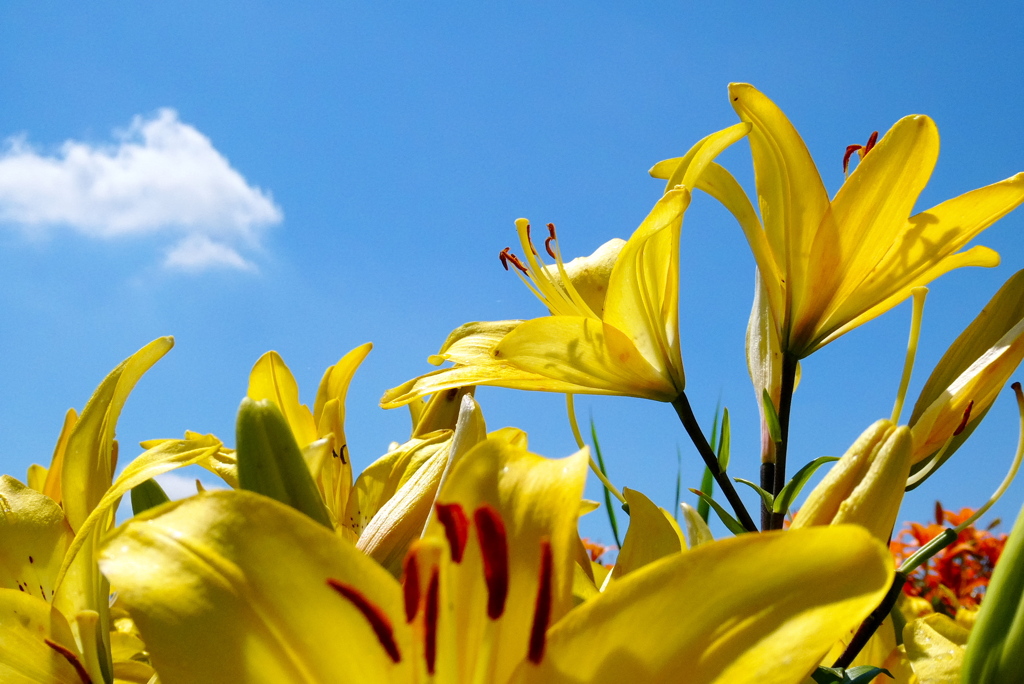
(508, 257)
(456, 527)
(72, 658)
(542, 606)
(963, 421)
(529, 240)
(939, 517)
(850, 149)
(490, 532)
(430, 623)
(379, 622)
(411, 586)
(503, 255)
(871, 143)
(551, 238)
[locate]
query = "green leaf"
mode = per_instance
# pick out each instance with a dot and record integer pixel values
(725, 442)
(792, 489)
(766, 497)
(270, 462)
(771, 417)
(863, 674)
(607, 495)
(148, 495)
(734, 526)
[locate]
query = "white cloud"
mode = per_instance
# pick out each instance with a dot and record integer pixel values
(179, 486)
(160, 176)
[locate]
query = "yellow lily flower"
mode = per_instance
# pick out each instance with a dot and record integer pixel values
(232, 586)
(54, 604)
(967, 379)
(614, 334)
(829, 266)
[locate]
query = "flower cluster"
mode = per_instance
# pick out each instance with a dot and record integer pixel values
(456, 558)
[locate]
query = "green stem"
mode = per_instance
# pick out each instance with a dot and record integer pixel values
(685, 413)
(778, 472)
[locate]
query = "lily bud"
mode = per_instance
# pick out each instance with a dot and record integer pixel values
(995, 650)
(865, 486)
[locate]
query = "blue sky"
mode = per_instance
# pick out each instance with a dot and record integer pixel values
(306, 177)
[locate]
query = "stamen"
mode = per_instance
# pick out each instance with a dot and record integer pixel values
(940, 518)
(542, 606)
(551, 238)
(507, 257)
(73, 659)
(379, 622)
(411, 586)
(963, 421)
(490, 533)
(456, 528)
(430, 623)
(529, 240)
(871, 143)
(850, 149)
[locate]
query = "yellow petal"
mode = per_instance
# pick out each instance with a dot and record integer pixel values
(589, 275)
(708, 614)
(586, 353)
(161, 459)
(51, 487)
(792, 196)
(697, 530)
(380, 480)
(271, 379)
(935, 648)
(232, 586)
(473, 343)
(89, 457)
(25, 658)
(537, 499)
(846, 474)
(927, 248)
(400, 519)
(35, 538)
(652, 534)
(643, 293)
(973, 369)
(868, 214)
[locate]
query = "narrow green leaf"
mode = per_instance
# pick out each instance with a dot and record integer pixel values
(707, 484)
(828, 675)
(270, 462)
(863, 674)
(766, 497)
(724, 442)
(607, 495)
(148, 495)
(771, 416)
(792, 489)
(734, 526)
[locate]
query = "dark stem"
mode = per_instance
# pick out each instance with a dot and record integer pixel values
(868, 628)
(789, 366)
(767, 483)
(685, 412)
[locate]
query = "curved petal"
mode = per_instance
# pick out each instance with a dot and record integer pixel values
(271, 379)
(870, 212)
(652, 534)
(584, 352)
(89, 457)
(792, 197)
(35, 538)
(537, 500)
(26, 624)
(705, 613)
(232, 586)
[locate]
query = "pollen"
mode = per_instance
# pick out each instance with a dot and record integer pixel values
(456, 528)
(377, 618)
(490, 532)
